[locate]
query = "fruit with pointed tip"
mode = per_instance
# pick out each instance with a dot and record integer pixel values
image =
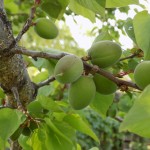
(68, 69)
(104, 53)
(82, 92)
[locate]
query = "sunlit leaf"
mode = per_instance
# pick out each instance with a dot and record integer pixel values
(103, 36)
(48, 103)
(129, 29)
(137, 120)
(142, 29)
(52, 136)
(96, 6)
(101, 103)
(10, 120)
(79, 124)
(120, 3)
(55, 8)
(80, 10)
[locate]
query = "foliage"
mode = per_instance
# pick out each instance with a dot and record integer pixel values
(58, 125)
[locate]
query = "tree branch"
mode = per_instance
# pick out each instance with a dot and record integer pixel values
(110, 76)
(46, 82)
(87, 66)
(138, 53)
(27, 24)
(34, 54)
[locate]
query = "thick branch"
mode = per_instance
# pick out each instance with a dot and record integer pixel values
(46, 55)
(108, 75)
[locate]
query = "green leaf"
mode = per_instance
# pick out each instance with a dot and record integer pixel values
(23, 142)
(2, 94)
(35, 142)
(48, 103)
(11, 6)
(66, 130)
(142, 29)
(35, 109)
(129, 29)
(137, 120)
(53, 136)
(103, 36)
(10, 120)
(40, 76)
(56, 8)
(56, 130)
(125, 103)
(77, 123)
(96, 6)
(2, 144)
(80, 10)
(45, 90)
(55, 141)
(101, 103)
(120, 3)
(94, 148)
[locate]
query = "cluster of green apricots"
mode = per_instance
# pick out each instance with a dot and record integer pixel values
(70, 68)
(82, 89)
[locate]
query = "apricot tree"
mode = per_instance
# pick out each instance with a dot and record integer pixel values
(31, 118)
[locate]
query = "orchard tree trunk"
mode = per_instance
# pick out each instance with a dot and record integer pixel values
(14, 79)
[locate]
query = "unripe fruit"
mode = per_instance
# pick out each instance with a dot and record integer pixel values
(81, 92)
(104, 53)
(142, 74)
(104, 85)
(68, 69)
(45, 28)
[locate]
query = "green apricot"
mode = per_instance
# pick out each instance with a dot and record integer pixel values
(104, 85)
(142, 74)
(104, 53)
(68, 69)
(45, 28)
(81, 92)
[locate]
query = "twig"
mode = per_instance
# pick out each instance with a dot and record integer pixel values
(128, 57)
(27, 24)
(46, 82)
(137, 53)
(1, 107)
(119, 119)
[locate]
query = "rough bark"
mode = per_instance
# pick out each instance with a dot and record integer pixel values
(13, 73)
